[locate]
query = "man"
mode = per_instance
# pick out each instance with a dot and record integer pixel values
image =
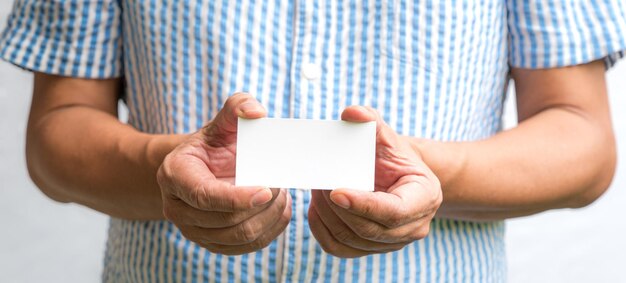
(432, 75)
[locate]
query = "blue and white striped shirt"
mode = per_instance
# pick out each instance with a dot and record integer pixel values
(434, 69)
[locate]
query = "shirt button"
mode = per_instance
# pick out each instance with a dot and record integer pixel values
(311, 71)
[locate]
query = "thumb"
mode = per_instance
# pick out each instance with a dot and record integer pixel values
(360, 114)
(385, 135)
(224, 125)
(409, 199)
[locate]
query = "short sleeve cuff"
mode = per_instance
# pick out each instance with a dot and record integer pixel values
(552, 34)
(66, 38)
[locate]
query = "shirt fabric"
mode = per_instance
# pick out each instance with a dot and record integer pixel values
(434, 69)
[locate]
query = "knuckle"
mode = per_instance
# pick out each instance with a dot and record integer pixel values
(394, 248)
(369, 232)
(239, 94)
(370, 208)
(436, 183)
(433, 183)
(438, 198)
(232, 204)
(246, 233)
(225, 250)
(285, 218)
(164, 175)
(407, 213)
(236, 98)
(421, 233)
(200, 197)
(260, 243)
(229, 219)
(226, 219)
(226, 200)
(169, 212)
(281, 202)
(210, 247)
(329, 247)
(343, 235)
(190, 235)
(191, 145)
(230, 101)
(235, 252)
(396, 219)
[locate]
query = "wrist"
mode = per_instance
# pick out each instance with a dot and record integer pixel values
(145, 153)
(158, 146)
(447, 160)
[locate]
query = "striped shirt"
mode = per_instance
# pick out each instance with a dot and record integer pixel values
(434, 69)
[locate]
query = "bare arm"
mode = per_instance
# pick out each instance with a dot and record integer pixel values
(78, 151)
(561, 155)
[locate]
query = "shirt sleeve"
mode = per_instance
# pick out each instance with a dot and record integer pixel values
(558, 33)
(78, 38)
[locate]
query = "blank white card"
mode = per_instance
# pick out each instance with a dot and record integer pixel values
(305, 154)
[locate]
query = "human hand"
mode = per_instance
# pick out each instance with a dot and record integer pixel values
(351, 223)
(199, 196)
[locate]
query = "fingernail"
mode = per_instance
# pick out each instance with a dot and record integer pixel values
(262, 197)
(249, 107)
(340, 200)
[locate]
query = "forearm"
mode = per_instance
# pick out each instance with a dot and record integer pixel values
(556, 159)
(83, 155)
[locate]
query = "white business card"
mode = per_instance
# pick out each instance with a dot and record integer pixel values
(305, 154)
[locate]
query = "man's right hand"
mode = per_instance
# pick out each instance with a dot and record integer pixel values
(199, 195)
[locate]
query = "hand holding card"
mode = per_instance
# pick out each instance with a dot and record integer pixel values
(349, 223)
(200, 198)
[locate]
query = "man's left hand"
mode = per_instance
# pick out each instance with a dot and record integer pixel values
(352, 223)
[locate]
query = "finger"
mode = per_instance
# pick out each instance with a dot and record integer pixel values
(362, 114)
(344, 233)
(326, 240)
(245, 232)
(389, 147)
(181, 213)
(359, 114)
(263, 241)
(238, 105)
(409, 199)
(186, 177)
(385, 135)
(374, 231)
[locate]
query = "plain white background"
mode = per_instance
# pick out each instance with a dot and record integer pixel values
(43, 241)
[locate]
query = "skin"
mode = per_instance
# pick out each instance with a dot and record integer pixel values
(406, 196)
(563, 150)
(197, 179)
(561, 155)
